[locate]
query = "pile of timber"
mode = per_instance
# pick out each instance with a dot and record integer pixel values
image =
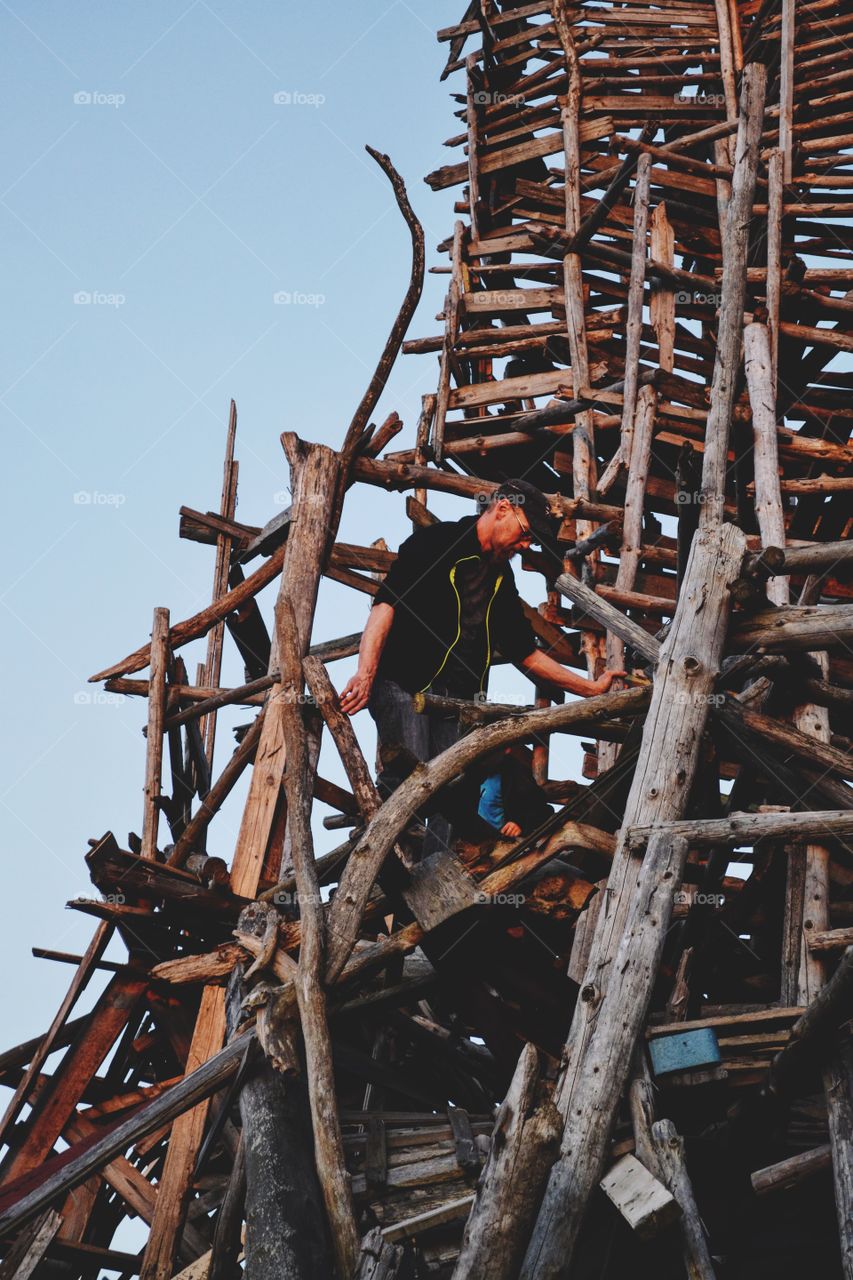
(620, 1044)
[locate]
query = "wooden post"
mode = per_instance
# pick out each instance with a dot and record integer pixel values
(524, 1141)
(775, 207)
(768, 498)
(583, 437)
(227, 509)
(310, 990)
(786, 89)
(632, 926)
(661, 1149)
(730, 336)
(154, 740)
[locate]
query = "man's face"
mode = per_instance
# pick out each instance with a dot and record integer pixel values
(512, 532)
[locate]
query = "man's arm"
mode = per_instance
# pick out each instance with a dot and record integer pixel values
(356, 693)
(540, 666)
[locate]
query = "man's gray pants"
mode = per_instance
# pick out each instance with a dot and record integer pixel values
(424, 734)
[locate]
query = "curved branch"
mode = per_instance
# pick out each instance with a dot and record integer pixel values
(395, 338)
(367, 857)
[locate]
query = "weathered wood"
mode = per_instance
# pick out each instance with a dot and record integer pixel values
(196, 1086)
(730, 331)
(370, 852)
(748, 828)
(768, 499)
(609, 616)
(790, 1173)
(811, 1033)
(310, 991)
(524, 1140)
(154, 739)
(286, 1232)
(315, 476)
(644, 1202)
(185, 1139)
(661, 1149)
(631, 929)
(29, 1249)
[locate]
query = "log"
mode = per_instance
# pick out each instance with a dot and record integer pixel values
(286, 1232)
(812, 1034)
(768, 499)
(661, 1149)
(793, 628)
(310, 991)
(631, 929)
(154, 739)
(195, 1086)
(749, 828)
(790, 1173)
(524, 1141)
(730, 329)
(370, 852)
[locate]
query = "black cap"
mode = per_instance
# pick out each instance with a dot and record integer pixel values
(538, 512)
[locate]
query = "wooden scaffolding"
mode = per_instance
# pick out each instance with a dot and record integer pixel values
(619, 1043)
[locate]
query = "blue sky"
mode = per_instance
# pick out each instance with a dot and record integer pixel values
(156, 198)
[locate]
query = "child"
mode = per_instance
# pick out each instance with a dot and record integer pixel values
(510, 799)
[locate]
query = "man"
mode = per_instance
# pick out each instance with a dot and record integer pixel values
(448, 601)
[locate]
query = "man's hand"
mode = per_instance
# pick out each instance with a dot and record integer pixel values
(510, 829)
(604, 681)
(356, 693)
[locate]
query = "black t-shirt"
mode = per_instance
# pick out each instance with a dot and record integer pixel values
(475, 581)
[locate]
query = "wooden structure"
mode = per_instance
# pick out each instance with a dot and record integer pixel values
(335, 1062)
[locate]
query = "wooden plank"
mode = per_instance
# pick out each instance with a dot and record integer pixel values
(74, 1073)
(184, 1143)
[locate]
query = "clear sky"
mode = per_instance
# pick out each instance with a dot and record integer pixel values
(156, 199)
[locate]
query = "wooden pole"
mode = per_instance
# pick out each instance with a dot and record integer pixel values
(310, 990)
(524, 1141)
(154, 740)
(730, 335)
(632, 926)
(768, 498)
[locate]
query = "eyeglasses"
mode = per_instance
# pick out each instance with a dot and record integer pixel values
(526, 531)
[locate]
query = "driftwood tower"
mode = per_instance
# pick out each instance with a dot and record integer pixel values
(619, 1045)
